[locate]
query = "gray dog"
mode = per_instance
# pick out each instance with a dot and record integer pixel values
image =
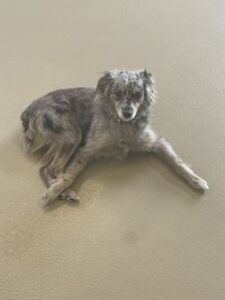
(72, 127)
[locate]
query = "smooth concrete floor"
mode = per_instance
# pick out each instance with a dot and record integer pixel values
(139, 231)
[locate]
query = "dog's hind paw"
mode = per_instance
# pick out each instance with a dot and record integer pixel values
(69, 195)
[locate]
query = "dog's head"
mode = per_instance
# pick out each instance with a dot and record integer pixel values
(126, 93)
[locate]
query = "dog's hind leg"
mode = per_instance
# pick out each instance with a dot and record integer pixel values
(45, 176)
(49, 179)
(66, 178)
(51, 172)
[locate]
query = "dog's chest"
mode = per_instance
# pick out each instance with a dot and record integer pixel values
(118, 141)
(124, 140)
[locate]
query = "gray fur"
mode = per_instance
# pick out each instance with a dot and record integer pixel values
(75, 126)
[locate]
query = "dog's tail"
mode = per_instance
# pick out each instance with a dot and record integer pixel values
(32, 140)
(28, 136)
(24, 117)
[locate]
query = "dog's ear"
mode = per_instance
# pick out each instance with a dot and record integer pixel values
(146, 75)
(104, 83)
(148, 82)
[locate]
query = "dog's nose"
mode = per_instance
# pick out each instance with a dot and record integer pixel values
(127, 112)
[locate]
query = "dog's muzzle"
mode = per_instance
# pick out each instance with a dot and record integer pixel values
(127, 112)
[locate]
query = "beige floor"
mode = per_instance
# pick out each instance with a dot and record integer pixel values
(139, 232)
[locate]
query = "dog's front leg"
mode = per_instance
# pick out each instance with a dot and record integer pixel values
(64, 180)
(165, 152)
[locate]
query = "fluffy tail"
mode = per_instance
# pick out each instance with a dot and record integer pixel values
(33, 139)
(28, 134)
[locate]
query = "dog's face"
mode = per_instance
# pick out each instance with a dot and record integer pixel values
(127, 95)
(127, 92)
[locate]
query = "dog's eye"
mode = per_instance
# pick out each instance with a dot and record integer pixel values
(119, 94)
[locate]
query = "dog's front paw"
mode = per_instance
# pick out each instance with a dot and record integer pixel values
(69, 195)
(199, 184)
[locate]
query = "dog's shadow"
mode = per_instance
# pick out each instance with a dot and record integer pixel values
(114, 174)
